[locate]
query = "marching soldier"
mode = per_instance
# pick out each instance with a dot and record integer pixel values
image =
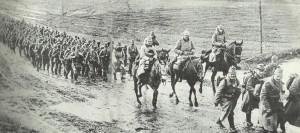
(45, 56)
(269, 70)
(251, 96)
(92, 58)
(227, 96)
(271, 107)
(77, 62)
(133, 53)
(118, 65)
(104, 57)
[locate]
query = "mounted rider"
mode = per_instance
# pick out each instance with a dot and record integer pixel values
(184, 49)
(218, 41)
(147, 55)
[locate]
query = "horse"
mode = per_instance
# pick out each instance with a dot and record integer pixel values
(232, 56)
(153, 77)
(192, 73)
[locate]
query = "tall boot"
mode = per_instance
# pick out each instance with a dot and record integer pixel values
(115, 76)
(231, 123)
(248, 119)
(219, 122)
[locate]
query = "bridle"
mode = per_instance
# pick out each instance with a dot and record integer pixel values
(234, 51)
(163, 62)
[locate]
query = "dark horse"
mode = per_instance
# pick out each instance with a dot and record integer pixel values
(152, 77)
(192, 73)
(232, 56)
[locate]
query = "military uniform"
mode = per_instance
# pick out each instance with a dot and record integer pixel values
(218, 41)
(45, 57)
(292, 108)
(251, 97)
(119, 61)
(183, 48)
(104, 57)
(227, 95)
(269, 70)
(133, 53)
(147, 53)
(78, 63)
(92, 58)
(271, 107)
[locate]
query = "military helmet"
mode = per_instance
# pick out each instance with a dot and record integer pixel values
(260, 67)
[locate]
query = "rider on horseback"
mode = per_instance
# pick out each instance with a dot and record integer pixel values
(147, 54)
(184, 48)
(218, 41)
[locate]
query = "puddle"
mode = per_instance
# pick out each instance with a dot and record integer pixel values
(289, 67)
(85, 111)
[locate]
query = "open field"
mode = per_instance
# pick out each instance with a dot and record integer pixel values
(132, 19)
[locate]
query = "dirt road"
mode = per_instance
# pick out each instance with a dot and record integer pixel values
(34, 101)
(37, 101)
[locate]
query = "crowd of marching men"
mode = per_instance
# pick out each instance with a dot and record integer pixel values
(54, 51)
(263, 89)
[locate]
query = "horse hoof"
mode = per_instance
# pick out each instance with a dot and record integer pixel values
(171, 95)
(154, 106)
(191, 104)
(196, 104)
(200, 91)
(177, 101)
(140, 95)
(139, 102)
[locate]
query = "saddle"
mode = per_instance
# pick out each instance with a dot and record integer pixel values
(217, 55)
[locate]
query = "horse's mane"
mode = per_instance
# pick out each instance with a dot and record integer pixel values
(230, 45)
(155, 70)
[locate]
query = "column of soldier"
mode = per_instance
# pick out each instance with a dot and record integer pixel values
(263, 90)
(51, 50)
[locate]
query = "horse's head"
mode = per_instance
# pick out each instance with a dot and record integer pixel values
(235, 51)
(163, 58)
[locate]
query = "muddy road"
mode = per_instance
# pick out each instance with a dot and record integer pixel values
(34, 101)
(41, 102)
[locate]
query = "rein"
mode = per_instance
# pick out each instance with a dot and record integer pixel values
(198, 73)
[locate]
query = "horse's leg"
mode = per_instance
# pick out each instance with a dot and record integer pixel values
(201, 81)
(20, 50)
(136, 91)
(172, 80)
(140, 90)
(214, 73)
(192, 90)
(190, 97)
(154, 100)
(173, 83)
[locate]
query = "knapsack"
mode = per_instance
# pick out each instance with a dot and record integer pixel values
(246, 77)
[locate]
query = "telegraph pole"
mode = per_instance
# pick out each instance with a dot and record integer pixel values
(260, 20)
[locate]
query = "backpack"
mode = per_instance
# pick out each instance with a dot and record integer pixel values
(290, 81)
(246, 77)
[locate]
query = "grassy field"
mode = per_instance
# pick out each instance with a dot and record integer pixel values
(133, 19)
